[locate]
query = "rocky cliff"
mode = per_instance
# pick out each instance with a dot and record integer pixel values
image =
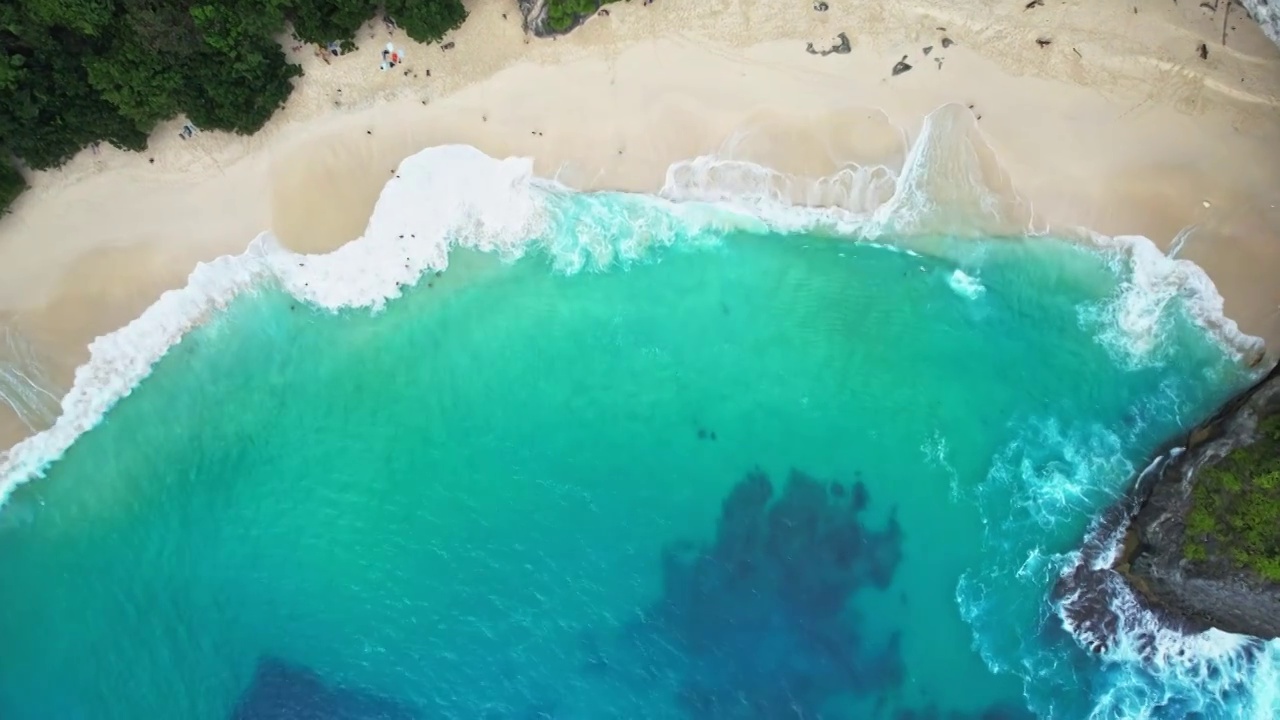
(1204, 545)
(548, 18)
(535, 17)
(1267, 13)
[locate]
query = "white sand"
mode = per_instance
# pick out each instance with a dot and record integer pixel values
(1117, 125)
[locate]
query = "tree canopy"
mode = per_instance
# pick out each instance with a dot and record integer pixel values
(78, 72)
(562, 15)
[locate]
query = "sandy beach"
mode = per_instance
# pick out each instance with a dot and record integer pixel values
(1102, 115)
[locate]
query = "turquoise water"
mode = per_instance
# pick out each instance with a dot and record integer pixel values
(749, 475)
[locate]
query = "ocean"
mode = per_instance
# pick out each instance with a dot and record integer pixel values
(527, 452)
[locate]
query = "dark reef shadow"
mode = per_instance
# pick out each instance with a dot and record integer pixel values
(284, 691)
(758, 623)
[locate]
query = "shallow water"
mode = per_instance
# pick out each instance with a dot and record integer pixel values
(520, 492)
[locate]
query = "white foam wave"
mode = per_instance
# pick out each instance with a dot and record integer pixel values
(1135, 321)
(441, 196)
(965, 285)
(844, 199)
(938, 454)
(1150, 664)
(951, 185)
(456, 195)
(1056, 474)
(1039, 487)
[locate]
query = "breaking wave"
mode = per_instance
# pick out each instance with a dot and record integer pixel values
(1146, 664)
(950, 186)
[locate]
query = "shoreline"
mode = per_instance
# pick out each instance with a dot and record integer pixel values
(615, 103)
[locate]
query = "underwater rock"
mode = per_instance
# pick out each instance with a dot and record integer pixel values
(284, 691)
(760, 617)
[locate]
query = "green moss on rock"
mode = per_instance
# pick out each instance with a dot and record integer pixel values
(562, 14)
(1235, 513)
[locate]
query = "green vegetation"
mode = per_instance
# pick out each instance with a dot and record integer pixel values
(11, 185)
(1236, 507)
(427, 21)
(78, 72)
(562, 14)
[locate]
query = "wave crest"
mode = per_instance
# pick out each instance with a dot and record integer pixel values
(1145, 664)
(950, 185)
(472, 200)
(1135, 321)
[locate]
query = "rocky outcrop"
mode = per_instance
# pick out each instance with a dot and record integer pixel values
(1267, 14)
(535, 16)
(542, 21)
(1203, 584)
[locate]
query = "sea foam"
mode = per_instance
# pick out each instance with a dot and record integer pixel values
(1151, 665)
(457, 195)
(1135, 321)
(440, 196)
(1152, 661)
(952, 185)
(24, 384)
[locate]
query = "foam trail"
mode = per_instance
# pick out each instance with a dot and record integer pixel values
(1149, 664)
(457, 195)
(447, 195)
(439, 196)
(965, 285)
(951, 185)
(120, 360)
(1180, 240)
(1155, 657)
(766, 192)
(24, 385)
(1135, 321)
